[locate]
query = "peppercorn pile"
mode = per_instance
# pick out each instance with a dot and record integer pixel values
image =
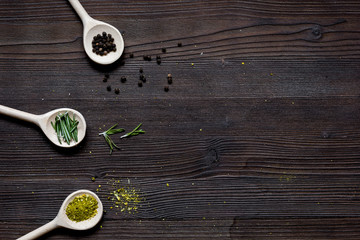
(103, 44)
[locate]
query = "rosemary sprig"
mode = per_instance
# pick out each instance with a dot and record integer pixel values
(134, 132)
(65, 127)
(108, 140)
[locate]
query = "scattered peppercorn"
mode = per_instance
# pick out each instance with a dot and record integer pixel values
(117, 91)
(107, 75)
(131, 55)
(103, 44)
(179, 44)
(140, 83)
(141, 70)
(166, 88)
(147, 57)
(144, 79)
(170, 80)
(105, 79)
(123, 79)
(108, 88)
(158, 60)
(141, 77)
(163, 50)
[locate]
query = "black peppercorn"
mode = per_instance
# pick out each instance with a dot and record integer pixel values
(158, 60)
(131, 55)
(166, 88)
(117, 91)
(163, 50)
(179, 44)
(123, 79)
(108, 88)
(107, 75)
(105, 79)
(169, 80)
(141, 70)
(140, 84)
(141, 77)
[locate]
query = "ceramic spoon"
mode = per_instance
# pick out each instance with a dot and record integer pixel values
(44, 122)
(61, 220)
(94, 27)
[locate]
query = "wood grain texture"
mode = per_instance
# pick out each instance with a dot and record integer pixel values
(258, 137)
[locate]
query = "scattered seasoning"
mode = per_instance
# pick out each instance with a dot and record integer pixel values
(134, 132)
(169, 78)
(105, 79)
(166, 88)
(117, 90)
(147, 57)
(108, 88)
(107, 75)
(141, 77)
(141, 70)
(66, 127)
(163, 50)
(140, 83)
(158, 60)
(108, 140)
(124, 199)
(123, 79)
(103, 44)
(82, 208)
(179, 44)
(131, 55)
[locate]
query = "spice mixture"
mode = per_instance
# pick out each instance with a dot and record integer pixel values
(82, 208)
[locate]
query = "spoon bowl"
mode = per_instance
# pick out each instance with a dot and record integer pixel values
(44, 122)
(94, 27)
(61, 220)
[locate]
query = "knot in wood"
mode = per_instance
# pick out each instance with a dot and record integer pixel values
(316, 32)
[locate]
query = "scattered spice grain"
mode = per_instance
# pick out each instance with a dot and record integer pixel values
(163, 50)
(179, 44)
(166, 88)
(140, 83)
(108, 88)
(117, 90)
(123, 79)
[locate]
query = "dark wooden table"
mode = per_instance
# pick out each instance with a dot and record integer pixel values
(257, 138)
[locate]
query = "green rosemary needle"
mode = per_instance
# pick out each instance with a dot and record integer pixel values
(108, 140)
(65, 127)
(134, 132)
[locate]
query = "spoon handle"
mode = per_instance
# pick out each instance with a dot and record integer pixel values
(19, 114)
(80, 10)
(40, 231)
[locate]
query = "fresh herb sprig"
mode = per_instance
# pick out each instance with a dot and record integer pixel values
(134, 132)
(66, 127)
(108, 140)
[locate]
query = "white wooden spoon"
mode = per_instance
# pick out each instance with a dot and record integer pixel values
(93, 27)
(61, 220)
(44, 122)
